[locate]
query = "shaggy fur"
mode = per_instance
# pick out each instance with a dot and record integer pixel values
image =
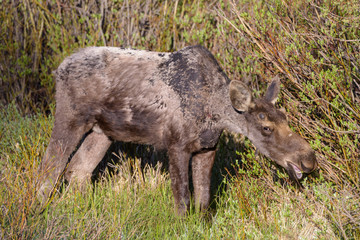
(179, 101)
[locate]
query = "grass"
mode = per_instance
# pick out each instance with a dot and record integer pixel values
(312, 46)
(132, 202)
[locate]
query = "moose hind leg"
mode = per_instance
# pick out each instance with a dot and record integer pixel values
(87, 157)
(202, 164)
(63, 142)
(179, 174)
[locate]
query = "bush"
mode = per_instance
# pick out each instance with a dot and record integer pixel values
(312, 46)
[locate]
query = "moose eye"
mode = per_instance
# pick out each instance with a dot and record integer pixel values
(267, 130)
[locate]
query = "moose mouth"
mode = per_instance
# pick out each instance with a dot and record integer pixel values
(296, 171)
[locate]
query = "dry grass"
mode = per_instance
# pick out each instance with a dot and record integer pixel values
(312, 46)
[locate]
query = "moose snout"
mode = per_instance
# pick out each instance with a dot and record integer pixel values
(309, 163)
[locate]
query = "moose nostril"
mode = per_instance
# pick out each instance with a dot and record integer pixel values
(309, 163)
(304, 168)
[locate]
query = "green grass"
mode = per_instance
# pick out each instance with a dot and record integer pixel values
(312, 46)
(130, 205)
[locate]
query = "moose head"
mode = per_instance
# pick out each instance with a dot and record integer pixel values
(268, 130)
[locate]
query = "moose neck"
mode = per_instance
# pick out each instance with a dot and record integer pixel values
(234, 121)
(231, 120)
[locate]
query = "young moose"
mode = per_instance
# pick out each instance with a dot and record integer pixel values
(179, 101)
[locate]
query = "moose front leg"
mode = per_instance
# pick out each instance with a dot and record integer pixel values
(202, 164)
(179, 174)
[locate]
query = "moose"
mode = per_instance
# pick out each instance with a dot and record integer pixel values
(180, 102)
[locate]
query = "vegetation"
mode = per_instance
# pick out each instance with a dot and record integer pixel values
(313, 46)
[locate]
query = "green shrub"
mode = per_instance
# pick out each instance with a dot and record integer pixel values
(312, 46)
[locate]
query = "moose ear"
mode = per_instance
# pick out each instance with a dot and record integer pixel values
(240, 96)
(272, 92)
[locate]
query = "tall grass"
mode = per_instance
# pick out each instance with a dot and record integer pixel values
(312, 46)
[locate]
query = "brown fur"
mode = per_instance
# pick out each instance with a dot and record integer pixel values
(179, 101)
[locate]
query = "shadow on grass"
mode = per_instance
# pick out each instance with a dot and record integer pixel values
(224, 166)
